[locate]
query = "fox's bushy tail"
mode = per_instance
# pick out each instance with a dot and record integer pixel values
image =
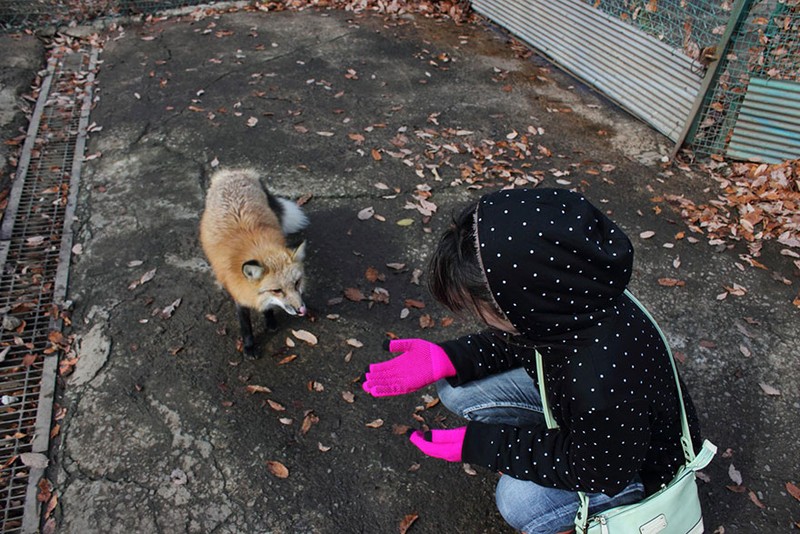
(293, 219)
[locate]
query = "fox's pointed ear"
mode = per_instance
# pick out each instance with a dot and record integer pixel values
(299, 253)
(252, 270)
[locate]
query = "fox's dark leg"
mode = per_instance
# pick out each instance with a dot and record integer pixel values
(272, 323)
(246, 328)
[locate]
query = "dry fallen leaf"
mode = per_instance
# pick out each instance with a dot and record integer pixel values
(735, 475)
(755, 499)
(287, 359)
(353, 342)
(354, 294)
(377, 423)
(309, 419)
(407, 521)
(399, 430)
(278, 407)
(793, 490)
(277, 469)
(736, 290)
(413, 303)
(769, 390)
(373, 275)
(167, 312)
(426, 321)
(304, 335)
(348, 397)
(258, 389)
(647, 234)
(366, 213)
(146, 277)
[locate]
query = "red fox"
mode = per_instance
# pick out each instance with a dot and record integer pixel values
(243, 233)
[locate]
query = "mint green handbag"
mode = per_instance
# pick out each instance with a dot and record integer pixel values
(674, 509)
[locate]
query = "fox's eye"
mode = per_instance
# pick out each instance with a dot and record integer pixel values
(278, 291)
(297, 284)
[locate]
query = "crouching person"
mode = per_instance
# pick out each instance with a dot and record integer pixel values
(546, 271)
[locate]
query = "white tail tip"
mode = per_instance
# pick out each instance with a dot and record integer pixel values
(294, 219)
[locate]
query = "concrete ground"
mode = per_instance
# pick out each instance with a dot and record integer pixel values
(169, 429)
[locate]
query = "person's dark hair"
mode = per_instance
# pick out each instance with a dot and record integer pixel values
(455, 276)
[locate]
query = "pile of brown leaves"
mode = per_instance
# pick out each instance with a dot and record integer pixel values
(758, 203)
(457, 10)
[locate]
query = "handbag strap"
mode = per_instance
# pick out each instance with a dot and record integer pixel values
(548, 413)
(693, 461)
(686, 436)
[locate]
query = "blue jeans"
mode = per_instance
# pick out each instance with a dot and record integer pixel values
(512, 398)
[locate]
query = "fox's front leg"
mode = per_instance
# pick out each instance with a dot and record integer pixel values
(246, 328)
(269, 317)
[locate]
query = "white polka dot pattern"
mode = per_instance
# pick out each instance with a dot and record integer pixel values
(557, 268)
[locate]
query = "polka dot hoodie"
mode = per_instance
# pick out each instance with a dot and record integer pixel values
(557, 268)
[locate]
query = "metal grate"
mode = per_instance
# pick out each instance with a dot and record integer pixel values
(35, 243)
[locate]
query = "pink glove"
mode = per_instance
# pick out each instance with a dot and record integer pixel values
(421, 363)
(444, 444)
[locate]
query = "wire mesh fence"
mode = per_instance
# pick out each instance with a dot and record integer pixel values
(765, 44)
(689, 26)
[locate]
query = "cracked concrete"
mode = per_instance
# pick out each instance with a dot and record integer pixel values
(161, 433)
(94, 348)
(22, 57)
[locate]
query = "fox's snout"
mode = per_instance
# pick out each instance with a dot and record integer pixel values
(300, 310)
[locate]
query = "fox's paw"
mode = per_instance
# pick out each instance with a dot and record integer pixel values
(249, 347)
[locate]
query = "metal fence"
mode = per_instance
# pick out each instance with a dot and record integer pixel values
(690, 26)
(750, 108)
(764, 48)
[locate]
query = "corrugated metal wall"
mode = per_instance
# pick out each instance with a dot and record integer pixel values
(768, 126)
(652, 80)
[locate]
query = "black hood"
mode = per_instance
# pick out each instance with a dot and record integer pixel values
(555, 264)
